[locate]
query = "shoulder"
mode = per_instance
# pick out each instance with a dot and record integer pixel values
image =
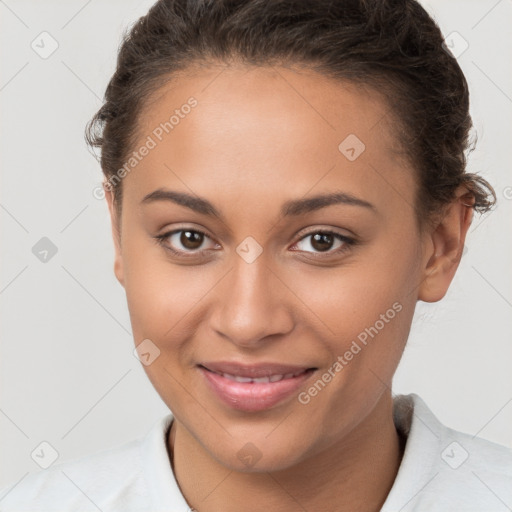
(114, 479)
(81, 484)
(480, 471)
(443, 469)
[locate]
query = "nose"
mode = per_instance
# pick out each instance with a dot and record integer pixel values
(252, 305)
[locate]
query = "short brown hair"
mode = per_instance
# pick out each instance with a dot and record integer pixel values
(393, 46)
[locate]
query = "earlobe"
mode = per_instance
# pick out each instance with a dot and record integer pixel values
(445, 247)
(116, 235)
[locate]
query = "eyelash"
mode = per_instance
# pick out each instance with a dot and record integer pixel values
(347, 243)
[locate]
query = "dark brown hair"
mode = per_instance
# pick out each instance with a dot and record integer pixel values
(391, 46)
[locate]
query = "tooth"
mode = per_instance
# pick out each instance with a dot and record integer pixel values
(261, 380)
(242, 379)
(236, 378)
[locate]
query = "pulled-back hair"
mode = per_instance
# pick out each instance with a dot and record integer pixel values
(391, 46)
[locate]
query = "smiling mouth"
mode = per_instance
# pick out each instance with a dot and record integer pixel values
(253, 388)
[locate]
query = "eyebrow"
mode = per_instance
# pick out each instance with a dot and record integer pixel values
(294, 207)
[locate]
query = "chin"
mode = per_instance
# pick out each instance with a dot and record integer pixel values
(259, 456)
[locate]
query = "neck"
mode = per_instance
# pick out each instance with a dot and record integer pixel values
(355, 474)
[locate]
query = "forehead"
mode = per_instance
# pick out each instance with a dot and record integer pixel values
(264, 128)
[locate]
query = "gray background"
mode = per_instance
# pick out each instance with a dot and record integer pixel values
(68, 373)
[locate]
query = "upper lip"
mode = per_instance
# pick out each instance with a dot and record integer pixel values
(253, 371)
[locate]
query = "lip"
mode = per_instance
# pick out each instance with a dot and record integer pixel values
(253, 396)
(253, 371)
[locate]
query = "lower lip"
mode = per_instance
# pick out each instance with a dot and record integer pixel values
(253, 396)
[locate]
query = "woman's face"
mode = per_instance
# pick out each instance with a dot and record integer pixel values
(324, 287)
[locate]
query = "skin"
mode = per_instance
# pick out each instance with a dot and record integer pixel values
(258, 138)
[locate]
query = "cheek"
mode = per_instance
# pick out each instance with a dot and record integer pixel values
(366, 312)
(161, 295)
(364, 319)
(164, 305)
(352, 296)
(366, 308)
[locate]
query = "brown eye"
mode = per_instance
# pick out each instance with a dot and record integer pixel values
(187, 241)
(191, 239)
(324, 242)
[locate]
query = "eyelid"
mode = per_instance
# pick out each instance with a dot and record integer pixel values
(176, 228)
(318, 228)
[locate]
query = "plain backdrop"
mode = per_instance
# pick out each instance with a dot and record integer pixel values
(68, 373)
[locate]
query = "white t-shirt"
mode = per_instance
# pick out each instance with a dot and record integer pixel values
(441, 470)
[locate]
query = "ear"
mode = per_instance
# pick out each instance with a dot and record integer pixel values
(116, 234)
(445, 246)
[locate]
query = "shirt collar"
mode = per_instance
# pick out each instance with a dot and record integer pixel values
(424, 431)
(162, 485)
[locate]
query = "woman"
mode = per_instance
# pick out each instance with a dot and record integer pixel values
(286, 179)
